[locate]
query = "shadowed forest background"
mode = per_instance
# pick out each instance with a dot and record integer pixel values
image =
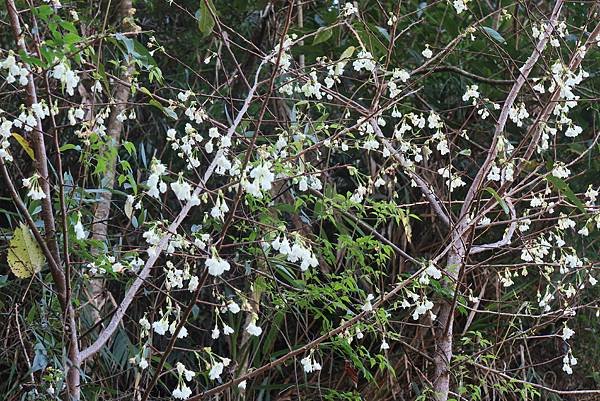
(299, 200)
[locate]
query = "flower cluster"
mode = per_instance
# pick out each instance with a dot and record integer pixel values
(296, 252)
(15, 70)
(216, 266)
(66, 76)
(309, 364)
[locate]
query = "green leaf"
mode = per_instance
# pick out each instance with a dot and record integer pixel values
(130, 147)
(206, 22)
(43, 11)
(167, 111)
(494, 34)
(136, 50)
(498, 199)
(69, 146)
(323, 35)
(347, 53)
(562, 187)
(25, 257)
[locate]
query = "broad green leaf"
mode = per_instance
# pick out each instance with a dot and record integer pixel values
(167, 111)
(347, 53)
(494, 34)
(69, 146)
(25, 257)
(564, 188)
(24, 144)
(130, 147)
(498, 199)
(206, 22)
(323, 35)
(43, 11)
(137, 50)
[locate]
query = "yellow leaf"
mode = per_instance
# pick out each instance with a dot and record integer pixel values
(24, 144)
(25, 257)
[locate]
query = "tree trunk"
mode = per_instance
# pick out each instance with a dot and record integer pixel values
(444, 337)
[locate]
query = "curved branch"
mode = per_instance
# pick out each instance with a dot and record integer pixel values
(311, 345)
(524, 72)
(506, 239)
(425, 187)
(108, 331)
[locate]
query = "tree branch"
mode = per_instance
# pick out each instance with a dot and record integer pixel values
(423, 185)
(108, 331)
(506, 239)
(525, 70)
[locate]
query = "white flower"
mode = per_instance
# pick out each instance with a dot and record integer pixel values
(160, 327)
(181, 369)
(216, 371)
(460, 5)
(494, 174)
(182, 189)
(183, 333)
(144, 323)
(367, 307)
(217, 266)
(193, 283)
(518, 113)
(471, 93)
(155, 185)
(584, 231)
(349, 9)
(427, 53)
(253, 329)
(80, 233)
(263, 179)
(309, 364)
(35, 191)
(364, 60)
(233, 307)
(402, 75)
(568, 361)
(306, 364)
(183, 96)
(66, 76)
(560, 170)
(227, 330)
(242, 385)
(573, 131)
(384, 345)
(422, 308)
(433, 271)
(97, 87)
(215, 333)
(182, 392)
(359, 334)
(567, 333)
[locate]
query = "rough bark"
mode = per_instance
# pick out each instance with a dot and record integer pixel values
(460, 235)
(115, 126)
(51, 243)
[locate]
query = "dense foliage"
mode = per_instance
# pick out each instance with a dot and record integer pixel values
(277, 200)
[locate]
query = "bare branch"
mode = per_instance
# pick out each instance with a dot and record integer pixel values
(108, 331)
(506, 239)
(525, 70)
(423, 185)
